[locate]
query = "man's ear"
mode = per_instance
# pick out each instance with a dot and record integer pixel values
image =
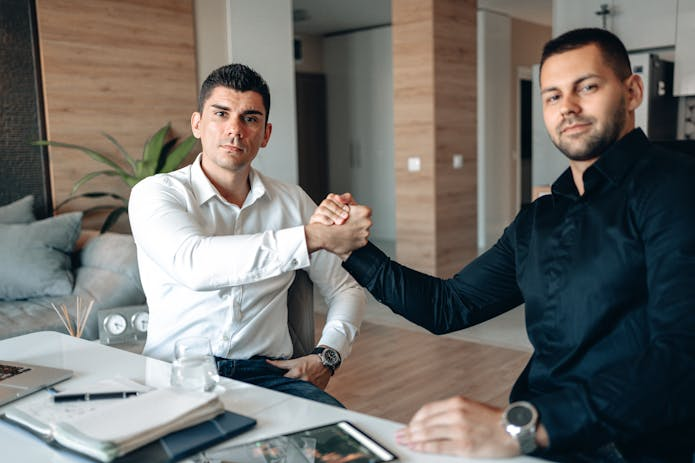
(266, 136)
(635, 91)
(195, 124)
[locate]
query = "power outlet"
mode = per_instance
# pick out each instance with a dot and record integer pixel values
(414, 164)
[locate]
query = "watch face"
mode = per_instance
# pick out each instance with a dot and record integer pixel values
(115, 324)
(519, 415)
(139, 321)
(331, 356)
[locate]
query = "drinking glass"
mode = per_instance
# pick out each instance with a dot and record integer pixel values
(194, 367)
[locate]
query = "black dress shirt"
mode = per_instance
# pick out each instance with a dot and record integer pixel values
(608, 279)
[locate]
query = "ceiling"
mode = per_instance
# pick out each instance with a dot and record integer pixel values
(534, 11)
(322, 17)
(331, 16)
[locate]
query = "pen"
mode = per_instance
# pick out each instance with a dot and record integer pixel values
(70, 397)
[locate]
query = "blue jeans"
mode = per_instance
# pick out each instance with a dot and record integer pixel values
(260, 373)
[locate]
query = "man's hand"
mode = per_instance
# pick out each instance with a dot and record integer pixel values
(343, 239)
(334, 210)
(459, 426)
(308, 368)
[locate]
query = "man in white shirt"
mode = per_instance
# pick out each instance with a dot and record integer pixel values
(218, 245)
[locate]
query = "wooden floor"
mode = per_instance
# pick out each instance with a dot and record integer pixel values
(392, 371)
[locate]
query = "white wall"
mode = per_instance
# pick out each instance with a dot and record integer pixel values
(259, 34)
(494, 132)
(359, 87)
(212, 42)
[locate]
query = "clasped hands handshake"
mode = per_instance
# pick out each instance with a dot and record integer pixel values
(339, 225)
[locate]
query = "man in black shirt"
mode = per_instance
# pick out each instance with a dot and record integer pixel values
(605, 266)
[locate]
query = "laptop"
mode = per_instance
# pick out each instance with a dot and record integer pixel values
(20, 379)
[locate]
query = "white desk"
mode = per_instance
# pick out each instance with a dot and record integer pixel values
(276, 413)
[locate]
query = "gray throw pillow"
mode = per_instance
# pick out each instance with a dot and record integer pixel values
(35, 257)
(20, 211)
(108, 272)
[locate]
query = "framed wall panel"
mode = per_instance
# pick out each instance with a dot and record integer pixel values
(24, 168)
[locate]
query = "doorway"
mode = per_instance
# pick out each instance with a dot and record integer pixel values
(524, 137)
(312, 152)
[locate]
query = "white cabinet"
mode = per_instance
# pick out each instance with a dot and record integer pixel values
(684, 72)
(640, 24)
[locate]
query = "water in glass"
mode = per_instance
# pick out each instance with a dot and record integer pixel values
(196, 372)
(194, 366)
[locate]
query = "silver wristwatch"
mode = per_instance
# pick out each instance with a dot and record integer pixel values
(520, 420)
(330, 358)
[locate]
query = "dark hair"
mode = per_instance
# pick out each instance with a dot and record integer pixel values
(238, 77)
(612, 49)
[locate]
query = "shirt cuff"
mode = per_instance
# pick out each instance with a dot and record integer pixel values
(291, 248)
(339, 336)
(569, 426)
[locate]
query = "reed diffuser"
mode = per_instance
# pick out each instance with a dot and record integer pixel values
(76, 327)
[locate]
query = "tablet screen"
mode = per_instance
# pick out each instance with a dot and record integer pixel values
(332, 443)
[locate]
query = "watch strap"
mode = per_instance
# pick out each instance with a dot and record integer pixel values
(527, 440)
(318, 350)
(332, 366)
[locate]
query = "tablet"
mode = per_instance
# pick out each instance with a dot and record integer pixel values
(336, 442)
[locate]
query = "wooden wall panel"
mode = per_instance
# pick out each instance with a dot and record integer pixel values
(116, 66)
(413, 74)
(434, 68)
(455, 103)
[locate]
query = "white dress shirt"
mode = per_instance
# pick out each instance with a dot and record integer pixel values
(210, 268)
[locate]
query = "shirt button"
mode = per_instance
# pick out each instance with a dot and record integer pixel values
(225, 338)
(294, 262)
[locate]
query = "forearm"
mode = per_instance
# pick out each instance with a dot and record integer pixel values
(208, 263)
(343, 320)
(345, 299)
(441, 306)
(168, 234)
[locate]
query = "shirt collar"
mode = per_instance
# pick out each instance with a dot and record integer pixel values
(204, 190)
(613, 165)
(258, 188)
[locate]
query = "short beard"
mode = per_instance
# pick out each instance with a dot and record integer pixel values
(596, 143)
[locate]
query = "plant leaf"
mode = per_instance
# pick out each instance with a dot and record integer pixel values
(152, 151)
(132, 180)
(89, 152)
(178, 154)
(91, 195)
(129, 159)
(100, 207)
(112, 218)
(88, 177)
(166, 149)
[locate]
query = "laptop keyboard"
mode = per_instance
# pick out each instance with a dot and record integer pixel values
(8, 371)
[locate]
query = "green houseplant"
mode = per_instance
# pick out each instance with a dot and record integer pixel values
(159, 155)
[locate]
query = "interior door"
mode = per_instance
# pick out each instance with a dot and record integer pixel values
(311, 134)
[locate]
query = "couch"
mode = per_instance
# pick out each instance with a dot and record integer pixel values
(51, 261)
